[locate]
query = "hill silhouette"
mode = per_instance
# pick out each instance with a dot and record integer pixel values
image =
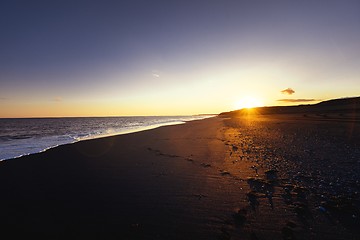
(339, 106)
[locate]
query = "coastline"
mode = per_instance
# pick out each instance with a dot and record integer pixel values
(140, 129)
(217, 178)
(42, 146)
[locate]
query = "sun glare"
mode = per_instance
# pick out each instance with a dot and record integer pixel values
(248, 102)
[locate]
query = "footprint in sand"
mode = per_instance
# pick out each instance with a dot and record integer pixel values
(271, 174)
(253, 200)
(290, 231)
(240, 216)
(224, 173)
(205, 165)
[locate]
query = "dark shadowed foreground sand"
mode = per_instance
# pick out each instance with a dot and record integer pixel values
(265, 177)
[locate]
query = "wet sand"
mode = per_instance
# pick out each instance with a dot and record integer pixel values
(266, 177)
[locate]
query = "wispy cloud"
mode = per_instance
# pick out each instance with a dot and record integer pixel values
(155, 73)
(57, 99)
(288, 91)
(3, 98)
(298, 100)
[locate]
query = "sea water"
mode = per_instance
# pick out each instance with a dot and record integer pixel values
(23, 136)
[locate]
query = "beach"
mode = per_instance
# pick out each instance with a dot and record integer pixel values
(279, 176)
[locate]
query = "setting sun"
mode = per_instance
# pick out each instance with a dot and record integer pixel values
(248, 102)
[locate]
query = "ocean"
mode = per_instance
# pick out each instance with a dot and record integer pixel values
(23, 136)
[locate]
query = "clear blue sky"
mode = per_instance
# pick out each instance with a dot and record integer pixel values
(85, 58)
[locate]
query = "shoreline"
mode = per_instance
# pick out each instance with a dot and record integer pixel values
(104, 135)
(99, 137)
(216, 178)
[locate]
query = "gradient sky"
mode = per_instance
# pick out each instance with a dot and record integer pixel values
(108, 58)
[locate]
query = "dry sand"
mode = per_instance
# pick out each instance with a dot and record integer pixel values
(264, 177)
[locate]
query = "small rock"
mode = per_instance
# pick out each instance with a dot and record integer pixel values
(240, 216)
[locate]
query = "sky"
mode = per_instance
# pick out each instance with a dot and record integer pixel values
(131, 58)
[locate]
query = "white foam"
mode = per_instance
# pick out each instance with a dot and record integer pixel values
(50, 133)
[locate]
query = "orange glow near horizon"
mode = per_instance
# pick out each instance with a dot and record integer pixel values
(249, 102)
